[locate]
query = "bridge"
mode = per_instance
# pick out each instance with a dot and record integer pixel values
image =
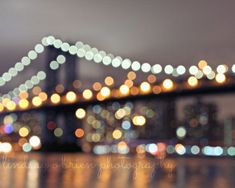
(65, 104)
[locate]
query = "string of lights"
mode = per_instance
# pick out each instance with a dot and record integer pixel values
(20, 66)
(99, 56)
(28, 84)
(98, 92)
(35, 79)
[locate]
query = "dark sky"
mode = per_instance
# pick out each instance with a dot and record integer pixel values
(154, 31)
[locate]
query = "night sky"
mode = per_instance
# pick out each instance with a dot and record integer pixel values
(154, 31)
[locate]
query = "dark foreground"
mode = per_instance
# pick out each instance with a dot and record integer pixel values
(88, 171)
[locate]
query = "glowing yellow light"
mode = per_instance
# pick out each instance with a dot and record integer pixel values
(80, 113)
(168, 84)
(105, 92)
(1, 107)
(120, 113)
(43, 96)
(139, 120)
(124, 89)
(109, 81)
(37, 101)
(24, 131)
(145, 87)
(71, 96)
(117, 134)
(87, 94)
(11, 105)
(192, 81)
(79, 133)
(5, 101)
(23, 103)
(55, 98)
(220, 78)
(202, 64)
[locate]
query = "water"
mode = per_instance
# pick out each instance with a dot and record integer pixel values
(113, 171)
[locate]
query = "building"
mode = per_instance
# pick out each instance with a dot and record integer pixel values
(200, 121)
(229, 131)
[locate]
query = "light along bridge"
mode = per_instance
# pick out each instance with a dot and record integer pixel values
(176, 82)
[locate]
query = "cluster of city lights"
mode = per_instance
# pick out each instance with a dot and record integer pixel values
(19, 97)
(25, 139)
(162, 149)
(93, 54)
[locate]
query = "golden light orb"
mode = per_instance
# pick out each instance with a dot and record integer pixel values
(96, 86)
(109, 81)
(202, 64)
(139, 120)
(24, 95)
(24, 131)
(5, 101)
(129, 83)
(105, 92)
(87, 94)
(37, 101)
(55, 98)
(131, 75)
(145, 87)
(117, 134)
(11, 105)
(220, 78)
(43, 96)
(1, 107)
(71, 96)
(192, 81)
(80, 113)
(168, 84)
(23, 103)
(124, 89)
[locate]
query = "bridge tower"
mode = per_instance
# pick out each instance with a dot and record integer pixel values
(65, 118)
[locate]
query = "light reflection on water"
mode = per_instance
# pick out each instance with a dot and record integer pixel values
(89, 171)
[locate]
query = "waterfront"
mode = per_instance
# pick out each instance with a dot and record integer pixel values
(90, 171)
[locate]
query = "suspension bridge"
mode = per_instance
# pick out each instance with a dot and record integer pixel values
(67, 100)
